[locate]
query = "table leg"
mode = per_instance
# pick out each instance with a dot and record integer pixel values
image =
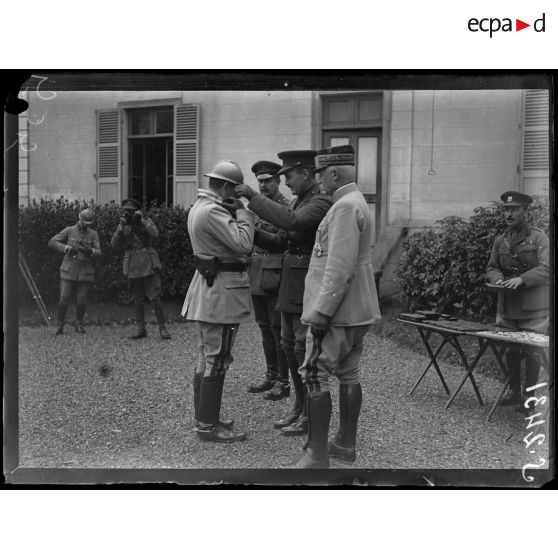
(432, 361)
(469, 374)
(506, 383)
(458, 348)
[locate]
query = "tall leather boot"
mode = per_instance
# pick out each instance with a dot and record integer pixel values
(343, 445)
(60, 317)
(270, 354)
(281, 388)
(80, 313)
(316, 449)
(160, 315)
(209, 429)
(513, 363)
(300, 393)
(198, 380)
(141, 332)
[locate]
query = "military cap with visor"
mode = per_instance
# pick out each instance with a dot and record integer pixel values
(292, 159)
(130, 203)
(265, 169)
(514, 199)
(335, 156)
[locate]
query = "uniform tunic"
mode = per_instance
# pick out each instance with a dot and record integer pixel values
(299, 222)
(340, 281)
(78, 266)
(265, 264)
(522, 254)
(340, 284)
(214, 232)
(140, 258)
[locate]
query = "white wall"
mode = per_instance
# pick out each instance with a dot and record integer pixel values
(243, 126)
(477, 138)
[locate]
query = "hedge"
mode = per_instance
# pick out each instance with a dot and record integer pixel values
(444, 267)
(40, 221)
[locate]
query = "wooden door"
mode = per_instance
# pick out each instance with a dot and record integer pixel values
(367, 144)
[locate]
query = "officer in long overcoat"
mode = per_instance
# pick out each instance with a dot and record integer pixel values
(520, 261)
(264, 271)
(299, 222)
(141, 264)
(79, 244)
(218, 298)
(340, 303)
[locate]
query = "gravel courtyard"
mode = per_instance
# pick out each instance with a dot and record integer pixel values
(139, 413)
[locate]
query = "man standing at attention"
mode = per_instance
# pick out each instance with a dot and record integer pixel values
(265, 272)
(340, 303)
(218, 299)
(79, 244)
(520, 261)
(299, 222)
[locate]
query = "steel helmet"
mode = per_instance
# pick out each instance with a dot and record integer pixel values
(87, 216)
(228, 171)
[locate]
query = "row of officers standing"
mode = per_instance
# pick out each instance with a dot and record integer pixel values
(312, 286)
(303, 266)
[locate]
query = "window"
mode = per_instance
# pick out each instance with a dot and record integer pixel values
(150, 122)
(148, 152)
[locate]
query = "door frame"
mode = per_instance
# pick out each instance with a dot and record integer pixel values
(353, 134)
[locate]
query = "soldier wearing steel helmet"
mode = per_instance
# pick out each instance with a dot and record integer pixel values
(218, 298)
(80, 245)
(520, 262)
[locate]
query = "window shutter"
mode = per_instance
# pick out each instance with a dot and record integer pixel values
(535, 131)
(186, 160)
(108, 156)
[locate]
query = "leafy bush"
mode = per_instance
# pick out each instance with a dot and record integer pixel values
(40, 221)
(444, 267)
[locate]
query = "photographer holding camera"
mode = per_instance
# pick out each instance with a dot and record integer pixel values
(79, 244)
(141, 264)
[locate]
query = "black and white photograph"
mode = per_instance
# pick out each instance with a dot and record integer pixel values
(279, 279)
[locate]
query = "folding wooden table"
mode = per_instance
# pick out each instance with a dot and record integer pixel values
(486, 339)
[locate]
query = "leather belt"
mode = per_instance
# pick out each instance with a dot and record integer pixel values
(299, 253)
(224, 266)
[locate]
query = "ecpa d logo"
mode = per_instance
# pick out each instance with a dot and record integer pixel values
(493, 25)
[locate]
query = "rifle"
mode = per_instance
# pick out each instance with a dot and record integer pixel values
(32, 286)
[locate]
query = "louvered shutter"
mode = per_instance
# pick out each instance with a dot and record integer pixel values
(186, 142)
(108, 156)
(536, 144)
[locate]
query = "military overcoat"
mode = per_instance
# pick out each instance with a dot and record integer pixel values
(214, 232)
(340, 280)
